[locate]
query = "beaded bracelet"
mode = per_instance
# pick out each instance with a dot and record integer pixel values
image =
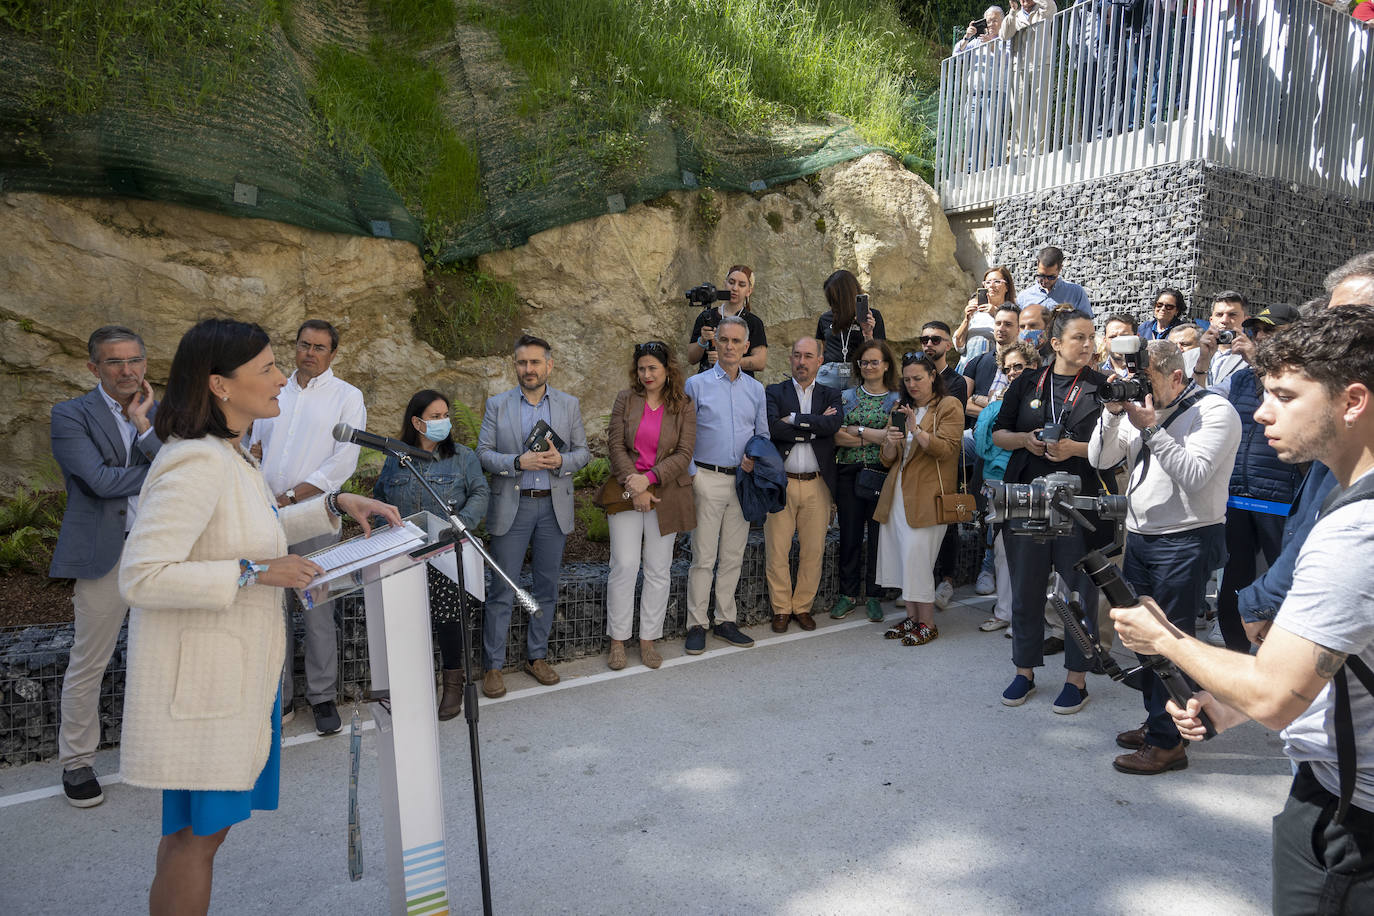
(331, 502)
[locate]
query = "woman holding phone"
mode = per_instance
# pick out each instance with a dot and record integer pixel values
(921, 447)
(866, 413)
(1046, 421)
(974, 334)
(848, 325)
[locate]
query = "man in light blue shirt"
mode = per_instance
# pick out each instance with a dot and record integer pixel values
(1051, 291)
(731, 409)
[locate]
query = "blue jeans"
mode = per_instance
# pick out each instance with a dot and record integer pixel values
(534, 522)
(1171, 568)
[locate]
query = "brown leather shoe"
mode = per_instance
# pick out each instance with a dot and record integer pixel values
(617, 659)
(451, 701)
(542, 672)
(1132, 740)
(492, 684)
(648, 654)
(806, 621)
(781, 622)
(1151, 760)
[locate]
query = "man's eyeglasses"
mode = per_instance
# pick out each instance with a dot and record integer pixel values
(130, 363)
(1043, 276)
(303, 347)
(652, 348)
(931, 339)
(870, 363)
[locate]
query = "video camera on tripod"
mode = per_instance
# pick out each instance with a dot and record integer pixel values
(1050, 504)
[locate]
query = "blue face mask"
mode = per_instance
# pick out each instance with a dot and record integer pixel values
(1034, 336)
(438, 430)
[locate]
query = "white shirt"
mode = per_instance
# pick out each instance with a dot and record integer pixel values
(128, 433)
(802, 458)
(298, 444)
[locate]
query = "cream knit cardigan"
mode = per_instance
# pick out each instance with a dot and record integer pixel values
(205, 656)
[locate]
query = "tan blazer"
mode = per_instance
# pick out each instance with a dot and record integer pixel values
(205, 656)
(920, 480)
(676, 440)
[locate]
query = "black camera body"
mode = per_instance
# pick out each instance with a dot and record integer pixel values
(1050, 505)
(706, 294)
(1225, 338)
(1136, 386)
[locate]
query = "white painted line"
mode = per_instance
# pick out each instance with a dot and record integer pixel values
(20, 798)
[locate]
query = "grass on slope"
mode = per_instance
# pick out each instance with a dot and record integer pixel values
(748, 63)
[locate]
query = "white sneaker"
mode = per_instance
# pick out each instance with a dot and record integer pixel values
(986, 584)
(993, 624)
(1214, 634)
(944, 593)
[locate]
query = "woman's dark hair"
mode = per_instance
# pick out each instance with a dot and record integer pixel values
(841, 291)
(1063, 317)
(938, 388)
(215, 346)
(419, 403)
(674, 393)
(1179, 313)
(891, 378)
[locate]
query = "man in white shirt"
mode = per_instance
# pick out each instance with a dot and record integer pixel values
(803, 417)
(301, 460)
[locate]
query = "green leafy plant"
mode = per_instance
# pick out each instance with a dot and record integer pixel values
(30, 519)
(460, 311)
(593, 520)
(593, 474)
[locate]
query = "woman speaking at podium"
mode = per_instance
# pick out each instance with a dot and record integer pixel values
(203, 571)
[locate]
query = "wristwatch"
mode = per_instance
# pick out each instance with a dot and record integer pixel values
(517, 463)
(290, 496)
(1148, 432)
(860, 433)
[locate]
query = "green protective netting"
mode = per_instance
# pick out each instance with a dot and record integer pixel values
(261, 150)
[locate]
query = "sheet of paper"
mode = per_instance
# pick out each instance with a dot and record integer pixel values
(359, 552)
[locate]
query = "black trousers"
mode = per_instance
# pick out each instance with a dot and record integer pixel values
(858, 572)
(1247, 533)
(1321, 867)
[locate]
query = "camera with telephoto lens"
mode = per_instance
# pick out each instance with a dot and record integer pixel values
(1136, 386)
(706, 294)
(1225, 338)
(1050, 505)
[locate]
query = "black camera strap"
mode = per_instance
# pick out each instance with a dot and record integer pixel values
(1344, 721)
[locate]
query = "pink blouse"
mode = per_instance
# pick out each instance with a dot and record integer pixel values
(646, 441)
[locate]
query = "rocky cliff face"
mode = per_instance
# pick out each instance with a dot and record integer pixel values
(592, 288)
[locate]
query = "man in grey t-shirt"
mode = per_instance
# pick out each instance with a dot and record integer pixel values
(1319, 406)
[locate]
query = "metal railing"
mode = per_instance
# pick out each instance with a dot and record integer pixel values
(1275, 88)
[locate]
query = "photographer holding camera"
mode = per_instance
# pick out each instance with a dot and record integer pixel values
(1180, 454)
(1046, 420)
(1224, 347)
(739, 285)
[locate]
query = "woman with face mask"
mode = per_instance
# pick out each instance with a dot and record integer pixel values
(456, 476)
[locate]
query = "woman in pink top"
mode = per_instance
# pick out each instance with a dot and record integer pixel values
(652, 432)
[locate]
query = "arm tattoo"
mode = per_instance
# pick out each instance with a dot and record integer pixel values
(1328, 662)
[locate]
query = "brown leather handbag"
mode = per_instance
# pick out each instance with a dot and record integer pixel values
(953, 508)
(614, 497)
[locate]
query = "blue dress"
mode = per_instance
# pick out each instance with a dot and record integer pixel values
(208, 812)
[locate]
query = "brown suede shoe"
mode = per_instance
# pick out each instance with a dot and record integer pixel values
(781, 622)
(1132, 740)
(806, 621)
(617, 659)
(541, 671)
(1151, 760)
(451, 701)
(648, 654)
(493, 685)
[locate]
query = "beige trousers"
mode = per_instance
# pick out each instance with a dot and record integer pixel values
(100, 612)
(721, 531)
(807, 515)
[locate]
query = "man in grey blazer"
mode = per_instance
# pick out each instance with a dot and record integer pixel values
(104, 443)
(531, 501)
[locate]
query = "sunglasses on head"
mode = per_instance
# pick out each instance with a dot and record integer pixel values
(915, 357)
(652, 348)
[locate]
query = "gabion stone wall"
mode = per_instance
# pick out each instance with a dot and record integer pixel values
(1197, 227)
(33, 659)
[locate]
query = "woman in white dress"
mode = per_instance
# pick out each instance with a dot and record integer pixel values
(923, 460)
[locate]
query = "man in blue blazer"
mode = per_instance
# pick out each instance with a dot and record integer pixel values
(803, 417)
(104, 443)
(531, 501)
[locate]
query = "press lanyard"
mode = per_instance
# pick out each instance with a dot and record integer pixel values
(1069, 399)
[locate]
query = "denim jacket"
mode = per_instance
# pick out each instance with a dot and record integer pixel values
(458, 480)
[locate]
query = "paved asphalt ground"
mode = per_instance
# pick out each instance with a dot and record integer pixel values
(829, 772)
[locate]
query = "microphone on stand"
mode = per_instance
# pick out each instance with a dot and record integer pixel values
(345, 433)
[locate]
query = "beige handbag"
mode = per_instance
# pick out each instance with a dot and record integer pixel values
(953, 508)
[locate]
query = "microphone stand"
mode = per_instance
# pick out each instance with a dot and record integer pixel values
(523, 598)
